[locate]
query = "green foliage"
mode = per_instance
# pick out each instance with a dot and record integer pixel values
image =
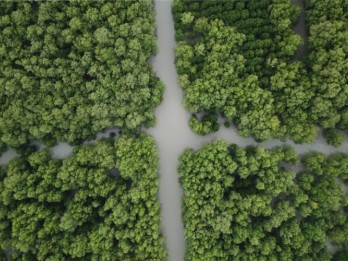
(327, 61)
(78, 209)
(72, 68)
(333, 137)
(237, 57)
(206, 125)
(341, 256)
(246, 204)
(211, 73)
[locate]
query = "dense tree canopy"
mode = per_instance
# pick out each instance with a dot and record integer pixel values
(71, 68)
(99, 204)
(328, 61)
(237, 58)
(247, 204)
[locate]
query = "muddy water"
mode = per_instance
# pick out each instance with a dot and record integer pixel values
(7, 156)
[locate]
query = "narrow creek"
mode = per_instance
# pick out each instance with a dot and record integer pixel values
(301, 30)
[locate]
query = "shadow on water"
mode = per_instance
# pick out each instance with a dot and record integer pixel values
(301, 29)
(115, 173)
